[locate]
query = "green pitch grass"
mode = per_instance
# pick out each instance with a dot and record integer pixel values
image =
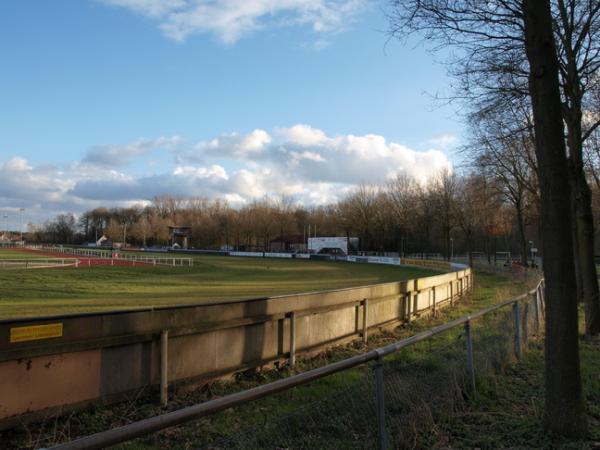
(38, 292)
(16, 254)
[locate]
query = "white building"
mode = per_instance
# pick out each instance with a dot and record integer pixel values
(332, 244)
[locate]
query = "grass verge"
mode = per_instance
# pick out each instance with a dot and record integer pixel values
(507, 411)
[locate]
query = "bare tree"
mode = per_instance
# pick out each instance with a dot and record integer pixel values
(402, 193)
(444, 190)
(360, 208)
(492, 38)
(510, 161)
(469, 208)
(565, 411)
(492, 73)
(578, 35)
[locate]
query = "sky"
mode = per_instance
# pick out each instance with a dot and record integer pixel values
(111, 102)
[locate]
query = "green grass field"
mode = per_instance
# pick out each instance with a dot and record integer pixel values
(16, 254)
(37, 292)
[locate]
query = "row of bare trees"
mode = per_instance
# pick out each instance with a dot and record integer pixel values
(450, 213)
(527, 73)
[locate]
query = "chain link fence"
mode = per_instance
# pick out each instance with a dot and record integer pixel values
(397, 396)
(403, 398)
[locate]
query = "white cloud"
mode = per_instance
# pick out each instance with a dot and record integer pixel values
(232, 145)
(303, 135)
(121, 155)
(214, 172)
(311, 156)
(300, 161)
(230, 20)
(443, 141)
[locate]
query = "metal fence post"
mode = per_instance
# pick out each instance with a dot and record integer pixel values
(164, 383)
(543, 299)
(526, 324)
(537, 309)
(433, 294)
(292, 339)
(380, 404)
(365, 319)
(517, 322)
(470, 359)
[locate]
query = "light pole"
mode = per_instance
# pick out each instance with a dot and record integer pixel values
(451, 248)
(6, 225)
(21, 223)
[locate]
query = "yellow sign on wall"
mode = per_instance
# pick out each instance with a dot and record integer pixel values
(35, 332)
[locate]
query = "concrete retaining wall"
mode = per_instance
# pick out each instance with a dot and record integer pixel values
(62, 361)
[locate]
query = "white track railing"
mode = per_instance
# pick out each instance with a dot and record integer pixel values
(38, 263)
(107, 254)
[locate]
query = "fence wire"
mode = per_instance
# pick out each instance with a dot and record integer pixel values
(345, 419)
(423, 386)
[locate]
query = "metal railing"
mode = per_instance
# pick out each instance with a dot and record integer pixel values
(108, 255)
(525, 321)
(158, 261)
(37, 263)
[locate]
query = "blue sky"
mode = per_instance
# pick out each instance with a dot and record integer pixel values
(221, 98)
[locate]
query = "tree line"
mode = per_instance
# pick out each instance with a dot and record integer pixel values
(449, 213)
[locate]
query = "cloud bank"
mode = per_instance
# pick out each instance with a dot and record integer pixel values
(301, 162)
(230, 20)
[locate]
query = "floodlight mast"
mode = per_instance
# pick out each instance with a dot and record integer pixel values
(21, 223)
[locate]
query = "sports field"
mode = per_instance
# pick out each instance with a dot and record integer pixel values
(36, 292)
(16, 254)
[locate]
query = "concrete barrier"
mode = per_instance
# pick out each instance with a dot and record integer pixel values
(52, 363)
(428, 263)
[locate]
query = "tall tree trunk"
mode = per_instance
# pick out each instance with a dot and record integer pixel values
(583, 217)
(584, 221)
(583, 226)
(577, 260)
(564, 412)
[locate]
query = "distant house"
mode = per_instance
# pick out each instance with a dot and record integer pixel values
(291, 243)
